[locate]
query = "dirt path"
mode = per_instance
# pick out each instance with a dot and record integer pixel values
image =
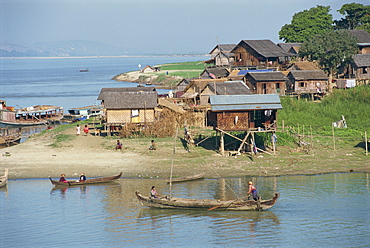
(96, 156)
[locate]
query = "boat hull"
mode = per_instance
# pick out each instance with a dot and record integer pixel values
(185, 179)
(210, 204)
(4, 179)
(87, 182)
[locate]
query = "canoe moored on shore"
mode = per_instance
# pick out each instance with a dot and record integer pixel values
(4, 179)
(88, 181)
(187, 178)
(206, 204)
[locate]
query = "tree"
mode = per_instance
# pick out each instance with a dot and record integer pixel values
(306, 24)
(330, 49)
(357, 16)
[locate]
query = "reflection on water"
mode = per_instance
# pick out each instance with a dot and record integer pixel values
(324, 210)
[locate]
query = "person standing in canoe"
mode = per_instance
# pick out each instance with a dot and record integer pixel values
(252, 190)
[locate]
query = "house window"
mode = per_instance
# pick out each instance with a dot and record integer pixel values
(278, 87)
(364, 70)
(258, 114)
(303, 85)
(134, 113)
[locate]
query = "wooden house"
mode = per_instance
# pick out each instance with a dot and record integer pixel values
(221, 55)
(270, 82)
(307, 82)
(213, 73)
(260, 54)
(303, 65)
(361, 67)
(223, 88)
(128, 105)
(148, 69)
(244, 112)
(363, 40)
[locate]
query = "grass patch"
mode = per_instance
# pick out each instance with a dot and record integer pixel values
(61, 138)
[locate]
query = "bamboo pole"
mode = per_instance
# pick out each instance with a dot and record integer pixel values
(332, 128)
(173, 156)
(366, 148)
(282, 123)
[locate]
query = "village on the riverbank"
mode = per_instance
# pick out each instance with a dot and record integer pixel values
(230, 109)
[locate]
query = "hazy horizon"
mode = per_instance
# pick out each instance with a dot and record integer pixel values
(162, 26)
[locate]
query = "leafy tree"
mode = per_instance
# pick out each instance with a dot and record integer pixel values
(306, 24)
(357, 16)
(331, 49)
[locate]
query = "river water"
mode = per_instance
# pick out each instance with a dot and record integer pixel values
(26, 82)
(330, 210)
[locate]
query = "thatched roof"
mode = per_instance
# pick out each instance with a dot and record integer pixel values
(303, 65)
(104, 91)
(229, 88)
(267, 76)
(308, 75)
(131, 100)
(168, 104)
(266, 48)
(361, 60)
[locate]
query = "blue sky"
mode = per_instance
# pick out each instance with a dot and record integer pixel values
(162, 26)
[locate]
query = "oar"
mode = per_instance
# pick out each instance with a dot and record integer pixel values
(214, 207)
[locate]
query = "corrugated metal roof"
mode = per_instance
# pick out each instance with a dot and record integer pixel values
(230, 88)
(245, 102)
(243, 72)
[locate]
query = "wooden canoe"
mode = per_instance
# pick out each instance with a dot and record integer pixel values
(188, 178)
(4, 179)
(211, 204)
(88, 181)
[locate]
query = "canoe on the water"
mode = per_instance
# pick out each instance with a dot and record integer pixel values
(88, 181)
(211, 204)
(188, 178)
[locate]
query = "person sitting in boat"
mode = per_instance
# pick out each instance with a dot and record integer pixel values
(62, 178)
(119, 145)
(153, 193)
(252, 190)
(82, 177)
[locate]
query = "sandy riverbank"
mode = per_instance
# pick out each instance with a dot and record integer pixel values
(96, 156)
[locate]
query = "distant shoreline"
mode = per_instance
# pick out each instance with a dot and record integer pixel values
(96, 57)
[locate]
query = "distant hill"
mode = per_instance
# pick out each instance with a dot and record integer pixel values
(61, 49)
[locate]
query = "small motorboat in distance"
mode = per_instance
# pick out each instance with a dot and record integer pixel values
(83, 70)
(88, 181)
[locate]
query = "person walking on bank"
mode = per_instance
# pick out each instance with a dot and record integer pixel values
(78, 130)
(153, 146)
(86, 130)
